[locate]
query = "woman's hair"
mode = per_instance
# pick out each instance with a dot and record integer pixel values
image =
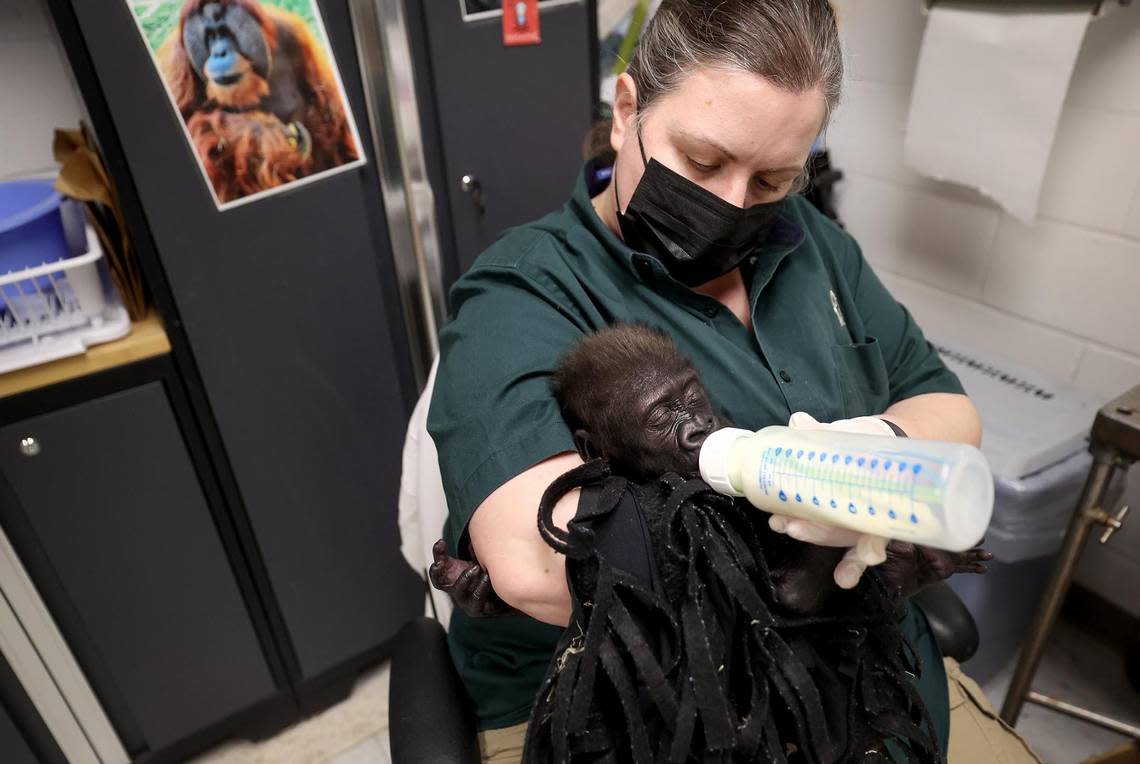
(794, 44)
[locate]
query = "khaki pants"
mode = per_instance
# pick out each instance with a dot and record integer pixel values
(976, 733)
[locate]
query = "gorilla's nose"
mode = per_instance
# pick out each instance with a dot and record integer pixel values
(695, 431)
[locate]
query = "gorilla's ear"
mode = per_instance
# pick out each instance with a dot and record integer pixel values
(585, 444)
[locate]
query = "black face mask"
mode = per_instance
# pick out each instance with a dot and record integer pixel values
(694, 233)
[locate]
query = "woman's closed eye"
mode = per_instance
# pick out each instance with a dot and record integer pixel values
(701, 166)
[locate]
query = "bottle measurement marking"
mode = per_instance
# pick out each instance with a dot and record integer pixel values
(854, 480)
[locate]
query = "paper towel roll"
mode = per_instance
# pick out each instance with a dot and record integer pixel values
(987, 97)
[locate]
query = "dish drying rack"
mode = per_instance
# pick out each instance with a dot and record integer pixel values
(58, 309)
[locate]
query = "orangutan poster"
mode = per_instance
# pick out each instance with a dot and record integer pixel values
(257, 90)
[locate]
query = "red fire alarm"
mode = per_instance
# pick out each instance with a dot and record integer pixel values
(520, 22)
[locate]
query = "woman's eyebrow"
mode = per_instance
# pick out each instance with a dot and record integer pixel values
(684, 134)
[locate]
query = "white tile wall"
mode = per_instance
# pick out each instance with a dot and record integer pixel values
(1070, 278)
(866, 24)
(947, 316)
(867, 130)
(36, 90)
(1062, 296)
(924, 234)
(1132, 225)
(1105, 74)
(1086, 181)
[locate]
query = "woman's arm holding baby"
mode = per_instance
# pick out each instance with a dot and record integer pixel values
(525, 571)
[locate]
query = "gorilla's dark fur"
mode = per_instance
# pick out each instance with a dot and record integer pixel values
(702, 663)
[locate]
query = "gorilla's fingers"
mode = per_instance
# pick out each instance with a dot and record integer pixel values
(482, 588)
(439, 550)
(437, 574)
(468, 580)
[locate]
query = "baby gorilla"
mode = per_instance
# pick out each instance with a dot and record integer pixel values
(631, 398)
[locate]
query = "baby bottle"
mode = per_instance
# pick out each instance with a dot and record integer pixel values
(928, 492)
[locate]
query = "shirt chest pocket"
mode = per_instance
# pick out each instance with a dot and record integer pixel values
(862, 377)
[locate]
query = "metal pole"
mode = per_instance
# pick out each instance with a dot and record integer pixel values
(1105, 462)
(1084, 714)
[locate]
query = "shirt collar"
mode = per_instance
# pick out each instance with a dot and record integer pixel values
(785, 236)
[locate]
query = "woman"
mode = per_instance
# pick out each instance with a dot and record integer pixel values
(695, 230)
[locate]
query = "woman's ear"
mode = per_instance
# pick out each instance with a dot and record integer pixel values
(625, 110)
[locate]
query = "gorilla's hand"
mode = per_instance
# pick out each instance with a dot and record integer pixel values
(468, 585)
(910, 567)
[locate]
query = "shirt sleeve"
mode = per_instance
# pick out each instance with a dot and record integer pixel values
(492, 413)
(913, 365)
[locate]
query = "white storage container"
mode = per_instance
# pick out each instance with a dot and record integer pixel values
(58, 309)
(1035, 436)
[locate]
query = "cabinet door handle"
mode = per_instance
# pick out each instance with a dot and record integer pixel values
(29, 446)
(473, 188)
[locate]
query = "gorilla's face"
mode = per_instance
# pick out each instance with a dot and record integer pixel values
(664, 427)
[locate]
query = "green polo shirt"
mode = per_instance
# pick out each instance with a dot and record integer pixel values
(826, 338)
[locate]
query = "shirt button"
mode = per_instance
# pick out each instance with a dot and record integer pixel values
(785, 376)
(710, 312)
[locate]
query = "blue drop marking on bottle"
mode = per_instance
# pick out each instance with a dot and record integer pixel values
(799, 499)
(779, 450)
(811, 455)
(783, 496)
(871, 511)
(902, 466)
(916, 469)
(800, 454)
(861, 461)
(914, 518)
(788, 453)
(847, 460)
(822, 456)
(815, 500)
(874, 463)
(834, 458)
(887, 464)
(851, 508)
(891, 514)
(833, 504)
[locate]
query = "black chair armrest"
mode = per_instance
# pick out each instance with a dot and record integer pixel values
(429, 714)
(954, 627)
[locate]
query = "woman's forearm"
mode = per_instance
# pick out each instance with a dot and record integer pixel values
(938, 416)
(525, 572)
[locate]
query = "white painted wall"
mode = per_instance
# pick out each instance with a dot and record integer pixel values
(1062, 296)
(37, 93)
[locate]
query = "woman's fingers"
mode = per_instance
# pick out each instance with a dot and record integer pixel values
(812, 532)
(849, 570)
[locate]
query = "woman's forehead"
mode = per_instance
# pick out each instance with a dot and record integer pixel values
(743, 115)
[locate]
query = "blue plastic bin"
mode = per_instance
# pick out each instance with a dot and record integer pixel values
(31, 226)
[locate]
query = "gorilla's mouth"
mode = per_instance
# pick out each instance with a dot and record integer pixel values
(228, 79)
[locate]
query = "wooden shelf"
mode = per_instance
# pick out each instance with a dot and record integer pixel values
(146, 340)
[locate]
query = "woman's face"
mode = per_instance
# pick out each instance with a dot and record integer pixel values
(730, 131)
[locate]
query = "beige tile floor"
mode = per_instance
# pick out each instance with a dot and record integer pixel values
(355, 731)
(1079, 668)
(1076, 667)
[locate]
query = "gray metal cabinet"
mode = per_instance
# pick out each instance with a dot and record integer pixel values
(109, 494)
(14, 748)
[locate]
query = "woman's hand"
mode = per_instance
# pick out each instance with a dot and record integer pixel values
(864, 550)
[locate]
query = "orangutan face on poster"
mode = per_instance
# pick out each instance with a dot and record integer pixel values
(257, 90)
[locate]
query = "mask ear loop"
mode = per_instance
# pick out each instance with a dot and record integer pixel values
(644, 162)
